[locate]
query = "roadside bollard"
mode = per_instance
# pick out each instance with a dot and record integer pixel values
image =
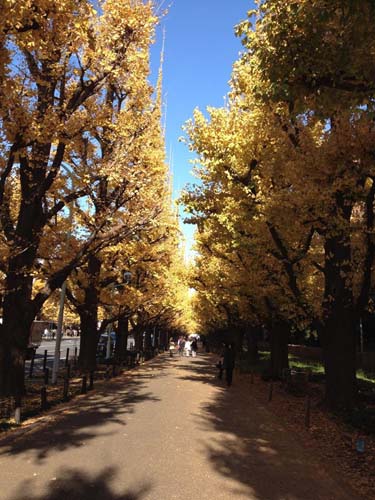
(271, 392)
(91, 381)
(67, 357)
(45, 360)
(66, 388)
(84, 385)
(43, 398)
(68, 370)
(31, 369)
(46, 376)
(75, 356)
(17, 410)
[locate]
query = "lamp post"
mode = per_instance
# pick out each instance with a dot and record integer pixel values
(108, 351)
(60, 318)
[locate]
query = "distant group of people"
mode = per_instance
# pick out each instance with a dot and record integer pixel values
(51, 333)
(186, 346)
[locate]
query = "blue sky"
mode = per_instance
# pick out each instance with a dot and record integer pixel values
(200, 49)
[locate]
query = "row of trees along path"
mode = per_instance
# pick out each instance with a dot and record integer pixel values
(285, 203)
(84, 188)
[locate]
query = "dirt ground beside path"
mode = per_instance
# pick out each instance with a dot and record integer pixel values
(256, 448)
(329, 438)
(169, 430)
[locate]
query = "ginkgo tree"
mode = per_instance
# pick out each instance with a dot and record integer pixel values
(229, 208)
(58, 62)
(287, 169)
(325, 73)
(128, 165)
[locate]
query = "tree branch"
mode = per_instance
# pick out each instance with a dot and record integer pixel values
(65, 201)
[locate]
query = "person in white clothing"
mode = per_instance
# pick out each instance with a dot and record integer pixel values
(171, 347)
(187, 347)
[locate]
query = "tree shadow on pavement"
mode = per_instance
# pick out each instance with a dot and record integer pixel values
(155, 368)
(75, 485)
(202, 369)
(82, 420)
(249, 446)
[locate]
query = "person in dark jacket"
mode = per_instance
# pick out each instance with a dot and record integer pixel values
(228, 363)
(220, 367)
(194, 348)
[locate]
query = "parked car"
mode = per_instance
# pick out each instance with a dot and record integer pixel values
(102, 344)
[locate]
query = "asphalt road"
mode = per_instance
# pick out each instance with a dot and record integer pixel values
(168, 430)
(49, 346)
(66, 342)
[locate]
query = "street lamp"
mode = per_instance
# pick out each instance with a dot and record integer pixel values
(56, 359)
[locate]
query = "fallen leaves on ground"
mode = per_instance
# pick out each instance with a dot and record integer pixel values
(333, 440)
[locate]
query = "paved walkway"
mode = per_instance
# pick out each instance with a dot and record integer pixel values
(166, 431)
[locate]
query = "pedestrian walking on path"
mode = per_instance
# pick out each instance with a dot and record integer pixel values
(220, 367)
(187, 347)
(181, 346)
(229, 361)
(171, 348)
(194, 348)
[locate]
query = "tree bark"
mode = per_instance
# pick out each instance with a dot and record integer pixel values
(15, 330)
(12, 357)
(156, 338)
(138, 338)
(121, 339)
(88, 313)
(339, 350)
(88, 341)
(252, 345)
(148, 341)
(338, 335)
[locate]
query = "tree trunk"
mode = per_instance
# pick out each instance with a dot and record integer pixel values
(156, 338)
(15, 331)
(339, 350)
(238, 335)
(252, 345)
(338, 335)
(88, 341)
(148, 342)
(279, 349)
(12, 379)
(165, 338)
(138, 339)
(88, 314)
(121, 339)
